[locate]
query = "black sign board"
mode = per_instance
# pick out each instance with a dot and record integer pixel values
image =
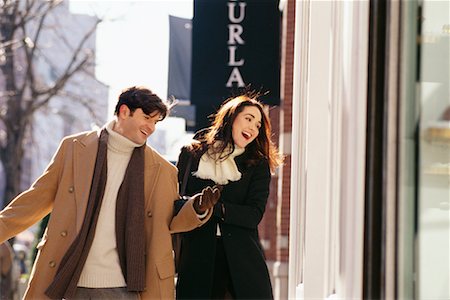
(235, 46)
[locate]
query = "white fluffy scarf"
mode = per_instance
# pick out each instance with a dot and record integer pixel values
(221, 171)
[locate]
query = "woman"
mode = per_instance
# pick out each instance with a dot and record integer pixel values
(224, 259)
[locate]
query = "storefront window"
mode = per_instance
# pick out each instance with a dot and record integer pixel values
(433, 207)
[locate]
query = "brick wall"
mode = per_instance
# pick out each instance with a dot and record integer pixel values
(284, 184)
(274, 228)
(267, 227)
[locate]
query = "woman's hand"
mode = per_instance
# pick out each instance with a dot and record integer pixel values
(207, 198)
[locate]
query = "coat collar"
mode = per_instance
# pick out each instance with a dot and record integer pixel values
(85, 153)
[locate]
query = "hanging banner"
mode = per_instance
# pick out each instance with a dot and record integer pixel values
(179, 83)
(235, 46)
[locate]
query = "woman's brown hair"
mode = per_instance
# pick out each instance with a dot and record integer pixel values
(221, 131)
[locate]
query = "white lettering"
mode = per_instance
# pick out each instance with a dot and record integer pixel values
(235, 76)
(234, 38)
(231, 9)
(234, 34)
(232, 57)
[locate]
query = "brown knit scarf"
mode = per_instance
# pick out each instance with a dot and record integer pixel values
(129, 227)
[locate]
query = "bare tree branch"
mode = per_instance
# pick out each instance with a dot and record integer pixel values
(72, 67)
(23, 92)
(86, 102)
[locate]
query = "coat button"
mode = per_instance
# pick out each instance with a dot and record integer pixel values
(63, 233)
(52, 264)
(71, 189)
(149, 214)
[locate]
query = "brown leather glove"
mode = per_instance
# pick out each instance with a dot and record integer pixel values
(207, 198)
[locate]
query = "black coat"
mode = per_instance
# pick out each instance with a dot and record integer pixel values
(245, 201)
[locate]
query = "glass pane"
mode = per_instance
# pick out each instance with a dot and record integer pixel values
(434, 153)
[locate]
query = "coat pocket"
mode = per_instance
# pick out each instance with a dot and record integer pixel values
(166, 267)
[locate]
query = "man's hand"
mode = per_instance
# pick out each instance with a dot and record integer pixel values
(207, 199)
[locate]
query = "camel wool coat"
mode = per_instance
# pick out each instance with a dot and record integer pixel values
(63, 190)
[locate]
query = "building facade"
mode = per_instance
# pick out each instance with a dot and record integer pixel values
(370, 179)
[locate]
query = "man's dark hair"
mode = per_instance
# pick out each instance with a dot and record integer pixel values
(143, 98)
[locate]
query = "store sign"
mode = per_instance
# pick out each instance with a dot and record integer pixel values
(235, 45)
(235, 30)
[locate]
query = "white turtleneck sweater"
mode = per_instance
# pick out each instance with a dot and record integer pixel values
(102, 267)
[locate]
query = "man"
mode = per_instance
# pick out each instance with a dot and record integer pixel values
(111, 200)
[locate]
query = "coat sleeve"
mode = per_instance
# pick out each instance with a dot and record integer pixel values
(35, 203)
(250, 214)
(187, 219)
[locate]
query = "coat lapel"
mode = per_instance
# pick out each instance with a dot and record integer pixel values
(85, 154)
(151, 174)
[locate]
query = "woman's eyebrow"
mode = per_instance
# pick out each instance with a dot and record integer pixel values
(249, 114)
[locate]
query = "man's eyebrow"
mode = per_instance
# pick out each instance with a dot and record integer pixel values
(154, 114)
